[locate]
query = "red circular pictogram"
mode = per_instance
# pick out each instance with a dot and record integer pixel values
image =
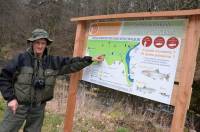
(159, 42)
(147, 41)
(172, 43)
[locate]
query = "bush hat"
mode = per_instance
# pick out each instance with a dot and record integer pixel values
(38, 34)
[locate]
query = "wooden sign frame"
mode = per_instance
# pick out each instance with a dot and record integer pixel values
(186, 66)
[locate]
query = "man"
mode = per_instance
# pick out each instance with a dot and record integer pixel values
(27, 82)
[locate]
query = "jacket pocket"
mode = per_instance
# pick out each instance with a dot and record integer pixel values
(22, 92)
(25, 76)
(50, 76)
(50, 79)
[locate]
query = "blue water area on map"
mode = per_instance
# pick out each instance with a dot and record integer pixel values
(128, 61)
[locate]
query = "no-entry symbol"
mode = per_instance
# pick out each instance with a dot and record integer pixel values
(172, 42)
(159, 42)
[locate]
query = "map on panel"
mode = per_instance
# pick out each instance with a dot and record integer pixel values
(140, 56)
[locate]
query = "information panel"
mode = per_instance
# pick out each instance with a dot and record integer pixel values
(140, 56)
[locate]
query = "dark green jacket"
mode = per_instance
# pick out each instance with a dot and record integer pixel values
(16, 79)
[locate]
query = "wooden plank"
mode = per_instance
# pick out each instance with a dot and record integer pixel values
(187, 74)
(174, 95)
(84, 45)
(197, 69)
(74, 79)
(189, 98)
(194, 55)
(179, 13)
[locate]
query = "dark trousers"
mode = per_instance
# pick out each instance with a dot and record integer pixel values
(33, 117)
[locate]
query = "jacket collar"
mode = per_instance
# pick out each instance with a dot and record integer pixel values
(30, 51)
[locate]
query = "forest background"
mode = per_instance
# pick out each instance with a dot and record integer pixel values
(19, 17)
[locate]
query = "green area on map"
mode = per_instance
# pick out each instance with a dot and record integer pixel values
(113, 50)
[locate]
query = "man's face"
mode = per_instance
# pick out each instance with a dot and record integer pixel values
(39, 46)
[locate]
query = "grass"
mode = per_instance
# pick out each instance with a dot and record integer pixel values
(93, 116)
(109, 111)
(2, 107)
(122, 129)
(52, 122)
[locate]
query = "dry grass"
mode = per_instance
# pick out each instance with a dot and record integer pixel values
(58, 104)
(93, 116)
(105, 110)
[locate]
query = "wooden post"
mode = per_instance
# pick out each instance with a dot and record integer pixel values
(74, 78)
(187, 74)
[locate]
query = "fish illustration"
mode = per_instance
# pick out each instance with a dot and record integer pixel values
(146, 89)
(156, 74)
(143, 88)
